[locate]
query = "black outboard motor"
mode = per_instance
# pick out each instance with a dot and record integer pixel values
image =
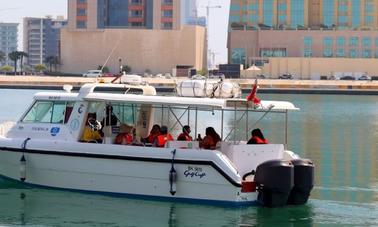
(274, 180)
(303, 181)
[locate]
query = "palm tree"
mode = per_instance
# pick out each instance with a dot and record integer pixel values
(22, 55)
(2, 56)
(14, 56)
(50, 61)
(56, 62)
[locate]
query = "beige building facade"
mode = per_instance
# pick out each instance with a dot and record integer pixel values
(315, 68)
(158, 51)
(146, 35)
(318, 31)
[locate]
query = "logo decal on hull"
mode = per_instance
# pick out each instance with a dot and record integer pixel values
(74, 125)
(194, 172)
(54, 131)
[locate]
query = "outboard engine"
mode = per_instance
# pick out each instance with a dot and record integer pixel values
(303, 181)
(275, 180)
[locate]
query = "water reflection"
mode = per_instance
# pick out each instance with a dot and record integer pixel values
(59, 208)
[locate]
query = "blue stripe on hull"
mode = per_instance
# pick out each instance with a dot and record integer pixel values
(144, 197)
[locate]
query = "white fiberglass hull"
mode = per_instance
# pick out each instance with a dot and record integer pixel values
(107, 171)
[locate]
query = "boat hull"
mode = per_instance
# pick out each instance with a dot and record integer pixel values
(124, 175)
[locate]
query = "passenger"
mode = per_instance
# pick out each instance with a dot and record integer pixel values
(164, 136)
(92, 133)
(210, 140)
(257, 137)
(185, 135)
(154, 133)
(110, 119)
(126, 135)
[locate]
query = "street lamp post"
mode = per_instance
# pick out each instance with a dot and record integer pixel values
(208, 7)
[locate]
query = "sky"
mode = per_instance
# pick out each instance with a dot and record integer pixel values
(14, 10)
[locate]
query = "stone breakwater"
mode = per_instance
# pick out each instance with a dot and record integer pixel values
(49, 82)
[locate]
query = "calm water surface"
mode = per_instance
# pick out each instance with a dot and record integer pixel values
(339, 133)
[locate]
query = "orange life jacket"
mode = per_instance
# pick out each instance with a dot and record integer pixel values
(162, 139)
(259, 140)
(184, 137)
(151, 138)
(124, 138)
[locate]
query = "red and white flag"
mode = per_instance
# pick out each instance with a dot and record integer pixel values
(252, 96)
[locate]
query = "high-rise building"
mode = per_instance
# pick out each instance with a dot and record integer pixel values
(146, 35)
(146, 14)
(189, 13)
(8, 40)
(42, 38)
(260, 29)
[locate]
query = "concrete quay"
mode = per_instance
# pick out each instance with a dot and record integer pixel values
(265, 85)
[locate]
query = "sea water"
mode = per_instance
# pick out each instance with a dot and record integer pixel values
(339, 133)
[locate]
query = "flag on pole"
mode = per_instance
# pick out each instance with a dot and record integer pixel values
(252, 96)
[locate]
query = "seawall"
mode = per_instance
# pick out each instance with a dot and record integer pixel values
(265, 85)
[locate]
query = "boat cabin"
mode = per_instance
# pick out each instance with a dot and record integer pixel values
(64, 115)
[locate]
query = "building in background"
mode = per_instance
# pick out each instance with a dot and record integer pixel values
(144, 34)
(189, 13)
(41, 38)
(269, 32)
(8, 40)
(107, 14)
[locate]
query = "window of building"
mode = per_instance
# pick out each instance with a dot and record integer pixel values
(297, 13)
(307, 41)
(328, 41)
(136, 13)
(268, 12)
(254, 6)
(167, 25)
(328, 13)
(136, 24)
(235, 7)
(353, 41)
(307, 53)
(254, 19)
(167, 2)
(369, 20)
(136, 2)
(366, 53)
(81, 24)
(327, 47)
(234, 19)
(340, 41)
(366, 42)
(340, 52)
(273, 52)
(356, 13)
(81, 1)
(238, 56)
(353, 53)
(282, 14)
(167, 13)
(81, 12)
(376, 42)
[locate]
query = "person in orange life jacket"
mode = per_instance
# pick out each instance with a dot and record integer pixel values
(257, 137)
(185, 135)
(164, 136)
(210, 140)
(154, 133)
(125, 136)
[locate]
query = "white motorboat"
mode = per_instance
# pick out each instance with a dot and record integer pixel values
(44, 148)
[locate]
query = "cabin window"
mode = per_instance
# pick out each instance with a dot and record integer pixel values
(49, 112)
(126, 113)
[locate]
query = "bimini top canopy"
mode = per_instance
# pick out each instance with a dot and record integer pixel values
(186, 101)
